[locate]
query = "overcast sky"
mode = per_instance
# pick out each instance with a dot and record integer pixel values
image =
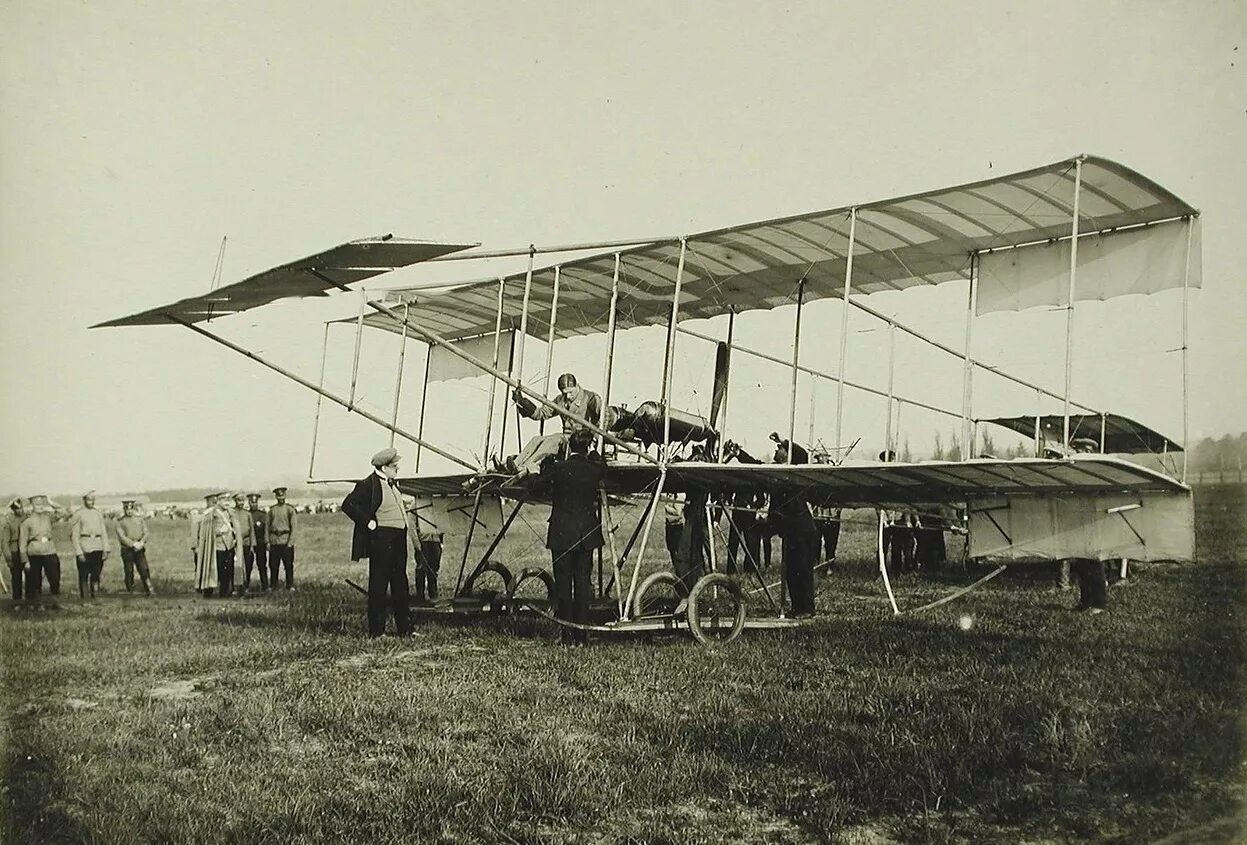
(133, 136)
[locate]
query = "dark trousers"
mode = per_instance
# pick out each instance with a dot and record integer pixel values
(764, 532)
(898, 547)
(387, 574)
(800, 550)
(41, 565)
(742, 530)
(572, 589)
(829, 539)
(1092, 577)
(16, 571)
(89, 567)
(253, 556)
(427, 568)
(132, 559)
(931, 551)
(225, 572)
(280, 555)
(675, 531)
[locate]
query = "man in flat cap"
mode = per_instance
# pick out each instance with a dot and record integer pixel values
(380, 535)
(259, 544)
(132, 538)
(280, 529)
(37, 549)
(10, 544)
(89, 536)
(241, 515)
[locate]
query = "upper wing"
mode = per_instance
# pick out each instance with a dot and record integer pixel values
(344, 264)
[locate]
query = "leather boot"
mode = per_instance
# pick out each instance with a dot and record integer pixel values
(147, 586)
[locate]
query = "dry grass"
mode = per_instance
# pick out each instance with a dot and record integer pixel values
(274, 720)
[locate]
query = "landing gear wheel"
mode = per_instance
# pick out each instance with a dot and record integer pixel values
(658, 595)
(716, 609)
(532, 573)
(484, 584)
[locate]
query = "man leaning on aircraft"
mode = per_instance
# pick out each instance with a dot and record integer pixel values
(572, 398)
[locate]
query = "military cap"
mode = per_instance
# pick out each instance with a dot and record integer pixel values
(208, 497)
(129, 501)
(279, 491)
(40, 500)
(238, 497)
(386, 456)
(253, 496)
(16, 503)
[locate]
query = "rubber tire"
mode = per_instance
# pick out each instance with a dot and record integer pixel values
(498, 569)
(542, 575)
(697, 595)
(650, 580)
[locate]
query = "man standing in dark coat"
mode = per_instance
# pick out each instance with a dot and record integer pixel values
(376, 508)
(799, 533)
(575, 530)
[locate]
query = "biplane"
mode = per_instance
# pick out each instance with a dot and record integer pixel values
(1080, 229)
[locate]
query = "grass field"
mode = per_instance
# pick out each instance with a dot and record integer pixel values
(1002, 717)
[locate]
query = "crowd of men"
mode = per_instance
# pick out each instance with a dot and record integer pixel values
(233, 527)
(30, 553)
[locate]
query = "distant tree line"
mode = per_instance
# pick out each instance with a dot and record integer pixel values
(1225, 454)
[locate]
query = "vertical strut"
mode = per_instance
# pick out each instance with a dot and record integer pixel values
(1186, 297)
(424, 395)
(493, 382)
(359, 336)
(398, 379)
(887, 432)
(669, 363)
(1069, 314)
(796, 362)
(554, 315)
(324, 350)
(610, 364)
(844, 324)
(967, 378)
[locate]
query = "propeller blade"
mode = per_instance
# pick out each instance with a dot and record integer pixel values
(722, 360)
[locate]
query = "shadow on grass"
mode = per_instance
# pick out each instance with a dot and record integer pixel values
(34, 799)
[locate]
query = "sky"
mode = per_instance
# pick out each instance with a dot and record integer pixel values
(135, 136)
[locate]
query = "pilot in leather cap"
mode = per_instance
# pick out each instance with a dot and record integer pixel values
(1084, 444)
(385, 456)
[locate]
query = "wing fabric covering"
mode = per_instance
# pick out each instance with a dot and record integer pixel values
(315, 275)
(922, 239)
(1121, 435)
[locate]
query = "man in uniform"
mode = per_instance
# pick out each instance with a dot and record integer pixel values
(380, 535)
(572, 398)
(259, 536)
(241, 515)
(89, 535)
(10, 542)
(280, 534)
(38, 553)
(132, 538)
(575, 530)
(217, 546)
(428, 560)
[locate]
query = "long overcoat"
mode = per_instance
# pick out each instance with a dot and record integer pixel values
(575, 517)
(361, 506)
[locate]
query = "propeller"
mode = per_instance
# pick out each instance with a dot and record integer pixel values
(722, 360)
